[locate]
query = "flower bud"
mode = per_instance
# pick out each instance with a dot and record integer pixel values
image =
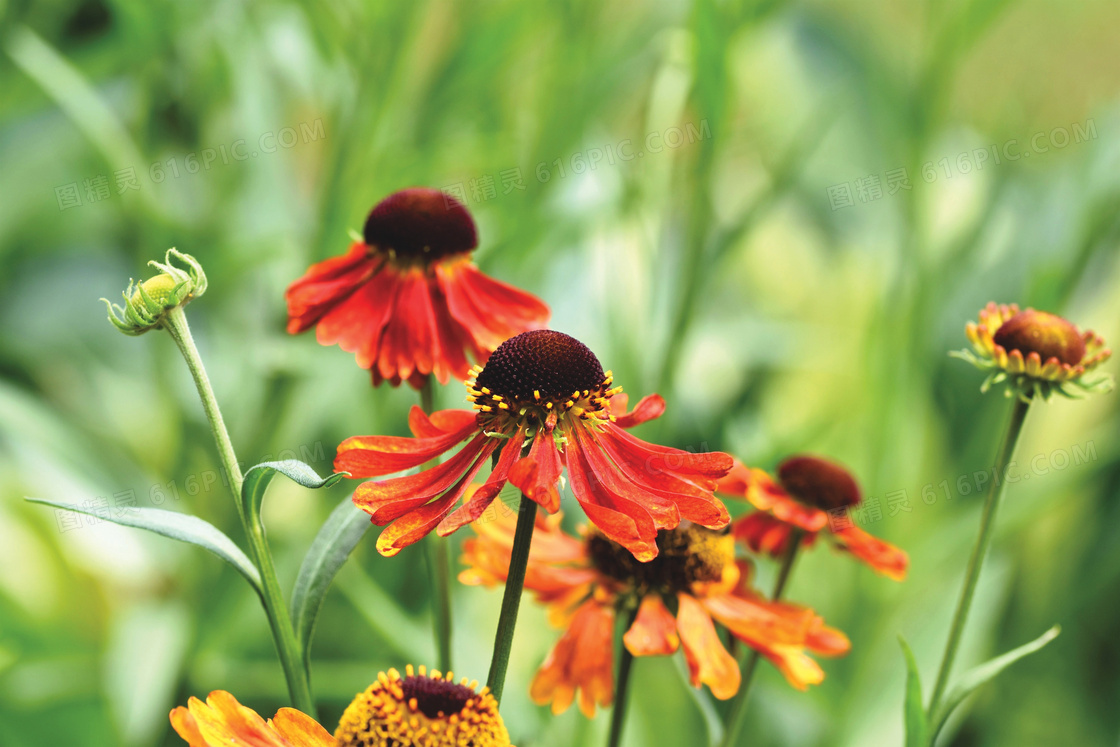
(146, 303)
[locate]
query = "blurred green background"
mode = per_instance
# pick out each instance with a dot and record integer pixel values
(773, 275)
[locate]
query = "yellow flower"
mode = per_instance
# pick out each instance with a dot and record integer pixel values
(420, 709)
(1035, 352)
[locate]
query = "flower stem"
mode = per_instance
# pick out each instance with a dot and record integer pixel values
(737, 713)
(622, 689)
(439, 563)
(511, 600)
(976, 561)
(288, 648)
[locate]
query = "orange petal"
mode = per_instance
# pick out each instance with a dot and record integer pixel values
(708, 661)
(882, 556)
(221, 722)
(300, 729)
(654, 632)
(648, 408)
(581, 660)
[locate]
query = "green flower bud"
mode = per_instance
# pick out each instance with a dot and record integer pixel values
(146, 303)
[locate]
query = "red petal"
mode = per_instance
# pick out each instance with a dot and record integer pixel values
(325, 285)
(387, 500)
(357, 323)
(483, 497)
(701, 468)
(451, 338)
(374, 456)
(489, 311)
(624, 521)
(537, 474)
(648, 408)
(439, 422)
(661, 506)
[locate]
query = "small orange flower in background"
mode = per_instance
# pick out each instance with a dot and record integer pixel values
(586, 581)
(420, 708)
(544, 400)
(807, 491)
(407, 300)
(1035, 352)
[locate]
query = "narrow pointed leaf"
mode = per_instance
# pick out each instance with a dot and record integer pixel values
(917, 725)
(977, 676)
(260, 475)
(336, 539)
(182, 527)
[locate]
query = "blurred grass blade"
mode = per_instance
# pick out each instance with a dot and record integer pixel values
(336, 539)
(182, 527)
(917, 725)
(260, 475)
(977, 676)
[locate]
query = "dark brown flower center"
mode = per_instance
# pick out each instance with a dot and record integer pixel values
(818, 483)
(436, 697)
(420, 224)
(686, 555)
(541, 365)
(1049, 335)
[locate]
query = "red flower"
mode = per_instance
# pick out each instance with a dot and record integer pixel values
(586, 581)
(407, 300)
(807, 492)
(543, 405)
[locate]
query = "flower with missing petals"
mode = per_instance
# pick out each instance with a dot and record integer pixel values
(146, 303)
(1035, 353)
(543, 404)
(406, 299)
(693, 583)
(420, 709)
(810, 495)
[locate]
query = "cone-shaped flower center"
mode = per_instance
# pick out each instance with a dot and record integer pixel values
(1049, 335)
(422, 708)
(160, 288)
(420, 224)
(818, 483)
(540, 375)
(688, 554)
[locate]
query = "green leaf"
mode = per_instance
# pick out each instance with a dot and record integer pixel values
(336, 539)
(182, 527)
(917, 725)
(977, 676)
(260, 475)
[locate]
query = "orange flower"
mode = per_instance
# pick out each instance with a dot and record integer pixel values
(419, 708)
(1034, 352)
(807, 491)
(544, 405)
(586, 582)
(407, 300)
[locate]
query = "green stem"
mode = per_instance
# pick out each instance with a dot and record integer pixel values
(288, 648)
(622, 689)
(976, 561)
(439, 563)
(737, 713)
(511, 600)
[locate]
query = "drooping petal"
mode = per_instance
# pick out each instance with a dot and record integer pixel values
(826, 641)
(357, 323)
(758, 622)
(765, 534)
(765, 494)
(537, 474)
(661, 506)
(490, 311)
(325, 285)
(624, 521)
(450, 337)
(882, 556)
(703, 468)
(374, 456)
(654, 632)
(488, 491)
(581, 661)
(709, 663)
